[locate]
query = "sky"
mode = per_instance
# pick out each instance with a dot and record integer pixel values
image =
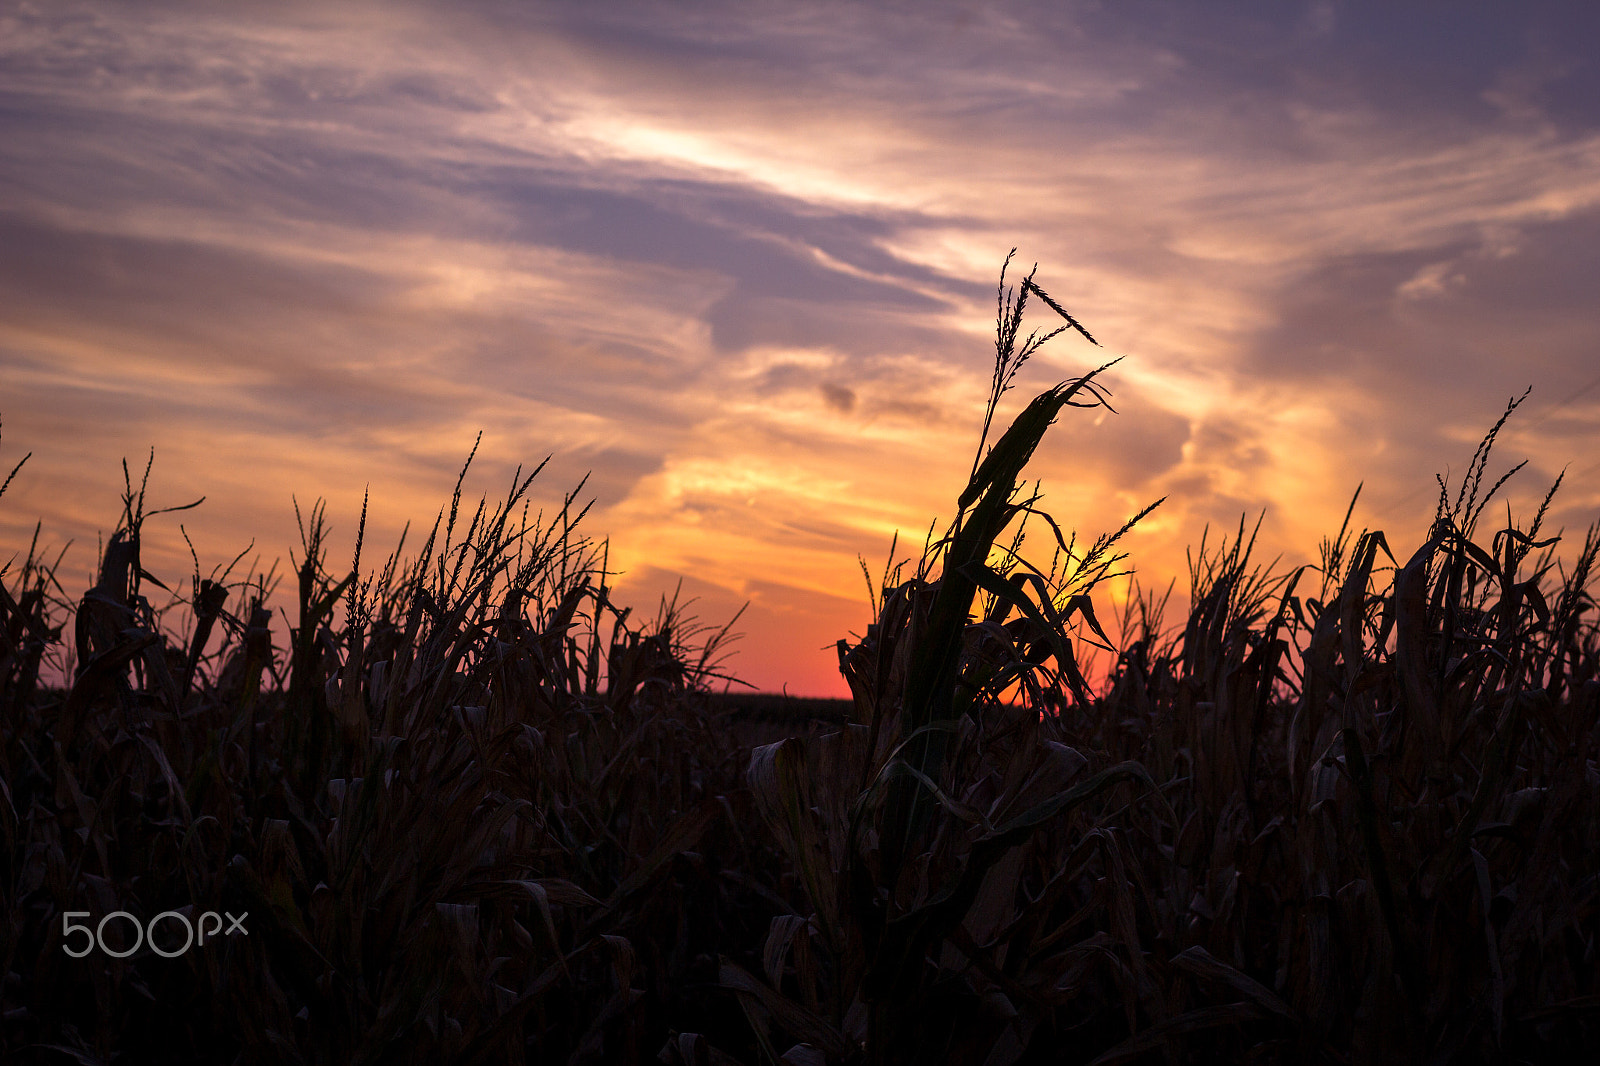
(737, 264)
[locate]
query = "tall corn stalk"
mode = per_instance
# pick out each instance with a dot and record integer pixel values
(928, 804)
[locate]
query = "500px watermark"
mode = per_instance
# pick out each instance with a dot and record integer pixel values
(194, 933)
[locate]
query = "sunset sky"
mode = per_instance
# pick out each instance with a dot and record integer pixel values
(738, 263)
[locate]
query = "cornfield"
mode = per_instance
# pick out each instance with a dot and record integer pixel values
(476, 811)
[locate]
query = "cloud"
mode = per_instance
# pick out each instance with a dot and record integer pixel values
(838, 397)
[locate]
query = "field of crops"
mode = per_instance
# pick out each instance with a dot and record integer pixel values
(478, 812)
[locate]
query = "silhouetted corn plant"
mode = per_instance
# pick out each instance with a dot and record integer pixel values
(911, 830)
